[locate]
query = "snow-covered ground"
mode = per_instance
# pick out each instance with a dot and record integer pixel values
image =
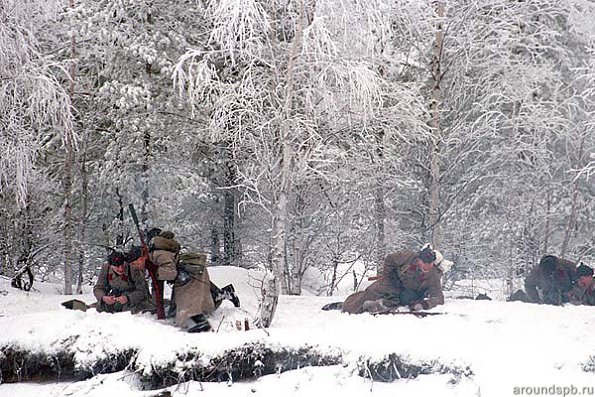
(505, 345)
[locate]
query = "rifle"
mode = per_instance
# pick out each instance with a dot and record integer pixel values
(398, 310)
(151, 268)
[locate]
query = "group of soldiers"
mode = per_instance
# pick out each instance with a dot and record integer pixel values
(407, 278)
(122, 285)
(556, 281)
(413, 279)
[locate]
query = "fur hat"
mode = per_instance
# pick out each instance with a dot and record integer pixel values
(583, 270)
(152, 232)
(427, 255)
(116, 258)
(439, 261)
(166, 244)
(548, 263)
(167, 234)
(134, 253)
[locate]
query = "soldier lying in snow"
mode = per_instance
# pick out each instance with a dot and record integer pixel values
(407, 279)
(549, 282)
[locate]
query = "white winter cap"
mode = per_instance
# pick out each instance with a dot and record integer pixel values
(441, 263)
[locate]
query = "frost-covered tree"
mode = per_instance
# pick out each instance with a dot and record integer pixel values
(504, 73)
(274, 75)
(35, 110)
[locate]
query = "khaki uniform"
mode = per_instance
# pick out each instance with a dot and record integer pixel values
(193, 297)
(131, 283)
(400, 283)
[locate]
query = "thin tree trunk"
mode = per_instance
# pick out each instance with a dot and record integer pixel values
(144, 216)
(83, 220)
(435, 124)
(380, 209)
(548, 213)
(573, 208)
(229, 217)
(335, 267)
(120, 236)
(215, 252)
(380, 212)
(281, 270)
(228, 228)
(67, 181)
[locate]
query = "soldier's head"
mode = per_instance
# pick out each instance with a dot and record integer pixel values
(116, 258)
(117, 261)
(429, 257)
(548, 264)
(135, 257)
(584, 275)
(426, 259)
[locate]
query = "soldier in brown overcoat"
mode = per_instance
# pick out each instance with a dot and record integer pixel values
(120, 287)
(408, 278)
(192, 293)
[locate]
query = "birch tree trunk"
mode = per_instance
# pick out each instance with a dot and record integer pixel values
(548, 214)
(279, 236)
(67, 178)
(380, 210)
(380, 213)
(571, 222)
(83, 219)
(435, 124)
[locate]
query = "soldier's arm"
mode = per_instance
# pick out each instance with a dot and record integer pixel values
(433, 295)
(100, 288)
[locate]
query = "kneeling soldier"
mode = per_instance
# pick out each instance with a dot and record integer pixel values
(120, 287)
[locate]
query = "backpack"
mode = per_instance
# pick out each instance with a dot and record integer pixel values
(190, 265)
(194, 263)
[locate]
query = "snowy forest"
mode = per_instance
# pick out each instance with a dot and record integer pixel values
(297, 134)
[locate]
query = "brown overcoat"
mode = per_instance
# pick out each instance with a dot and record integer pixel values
(195, 296)
(131, 283)
(401, 283)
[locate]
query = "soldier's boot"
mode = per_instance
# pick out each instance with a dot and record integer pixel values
(198, 323)
(171, 310)
(333, 306)
(228, 292)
